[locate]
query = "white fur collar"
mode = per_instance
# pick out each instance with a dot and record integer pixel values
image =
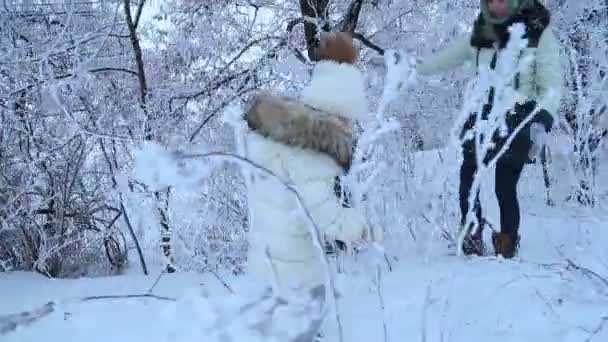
(337, 88)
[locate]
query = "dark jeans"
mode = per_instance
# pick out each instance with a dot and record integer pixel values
(508, 171)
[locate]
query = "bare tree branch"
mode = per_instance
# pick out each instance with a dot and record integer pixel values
(293, 22)
(349, 23)
(140, 8)
(107, 69)
(128, 296)
(141, 74)
(290, 26)
(69, 75)
(214, 85)
(368, 43)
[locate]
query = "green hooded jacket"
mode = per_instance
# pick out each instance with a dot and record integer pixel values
(540, 81)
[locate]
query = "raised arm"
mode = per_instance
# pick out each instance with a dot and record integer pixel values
(549, 78)
(454, 55)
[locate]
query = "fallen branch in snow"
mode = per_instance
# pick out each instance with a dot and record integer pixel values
(128, 296)
(427, 304)
(597, 330)
(221, 281)
(9, 323)
(571, 265)
(273, 269)
(157, 281)
(443, 319)
(547, 302)
(587, 272)
(378, 281)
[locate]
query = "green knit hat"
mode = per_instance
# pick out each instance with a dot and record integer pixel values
(514, 7)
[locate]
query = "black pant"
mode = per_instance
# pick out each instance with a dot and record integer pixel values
(508, 171)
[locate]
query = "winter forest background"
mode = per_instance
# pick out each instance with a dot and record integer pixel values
(85, 84)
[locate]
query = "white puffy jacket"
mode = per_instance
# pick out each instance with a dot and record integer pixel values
(276, 222)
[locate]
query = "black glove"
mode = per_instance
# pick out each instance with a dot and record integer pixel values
(545, 118)
(542, 116)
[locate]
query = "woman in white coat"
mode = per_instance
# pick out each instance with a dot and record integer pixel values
(538, 84)
(281, 245)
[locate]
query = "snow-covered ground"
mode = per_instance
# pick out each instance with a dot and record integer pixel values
(556, 290)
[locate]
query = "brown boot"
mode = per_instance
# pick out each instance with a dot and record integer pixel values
(505, 245)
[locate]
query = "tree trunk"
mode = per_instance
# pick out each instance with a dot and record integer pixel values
(352, 16)
(148, 134)
(315, 15)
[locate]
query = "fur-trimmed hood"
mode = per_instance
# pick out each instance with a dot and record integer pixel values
(337, 88)
(293, 123)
